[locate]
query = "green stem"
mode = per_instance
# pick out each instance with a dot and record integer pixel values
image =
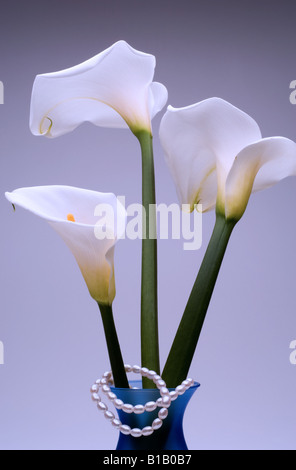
(185, 342)
(115, 356)
(149, 314)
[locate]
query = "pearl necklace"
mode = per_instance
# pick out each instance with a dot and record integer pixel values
(163, 402)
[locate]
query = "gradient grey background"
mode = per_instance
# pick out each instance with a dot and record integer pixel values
(54, 345)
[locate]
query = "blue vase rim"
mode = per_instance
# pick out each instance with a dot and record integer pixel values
(140, 389)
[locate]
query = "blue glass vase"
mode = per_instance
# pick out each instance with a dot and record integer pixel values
(170, 436)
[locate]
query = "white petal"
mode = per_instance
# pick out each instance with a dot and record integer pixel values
(94, 255)
(94, 258)
(112, 89)
(257, 167)
(158, 96)
(200, 144)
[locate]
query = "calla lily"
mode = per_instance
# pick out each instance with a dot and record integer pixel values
(112, 89)
(217, 156)
(71, 213)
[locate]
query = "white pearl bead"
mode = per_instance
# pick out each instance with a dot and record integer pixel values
(118, 403)
(136, 432)
(138, 409)
(106, 389)
(98, 382)
(94, 388)
(147, 431)
(160, 383)
(151, 374)
(180, 389)
(101, 406)
(125, 429)
(104, 381)
(128, 368)
(164, 391)
(109, 415)
(156, 377)
(159, 401)
(157, 423)
(96, 397)
(136, 369)
(116, 422)
(166, 401)
(111, 396)
(127, 408)
(144, 371)
(162, 414)
(107, 375)
(174, 395)
(150, 406)
(186, 383)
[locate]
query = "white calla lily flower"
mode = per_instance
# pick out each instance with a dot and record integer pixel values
(112, 89)
(217, 156)
(90, 232)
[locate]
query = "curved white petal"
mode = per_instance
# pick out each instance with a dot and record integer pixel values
(99, 221)
(158, 96)
(200, 143)
(258, 166)
(112, 89)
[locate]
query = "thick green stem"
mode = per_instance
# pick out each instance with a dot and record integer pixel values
(115, 356)
(185, 342)
(149, 310)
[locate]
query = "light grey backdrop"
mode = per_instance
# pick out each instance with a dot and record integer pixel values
(54, 346)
